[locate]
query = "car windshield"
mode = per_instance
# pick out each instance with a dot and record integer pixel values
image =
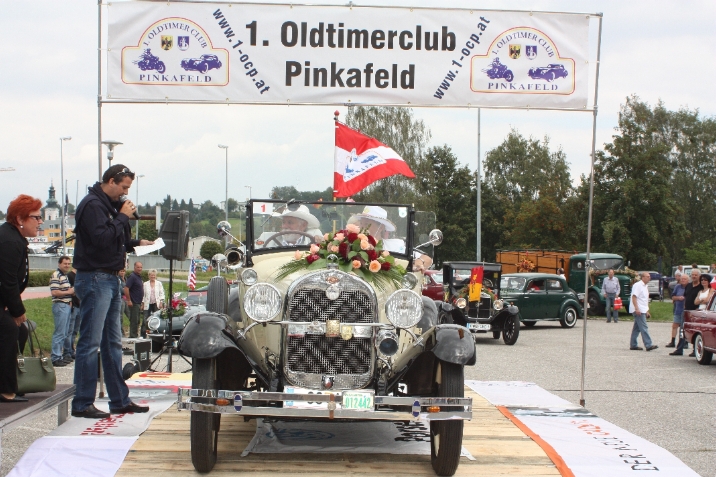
(608, 263)
(280, 225)
(508, 284)
(461, 278)
(196, 298)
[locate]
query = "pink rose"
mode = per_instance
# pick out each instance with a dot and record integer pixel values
(356, 264)
(325, 237)
(365, 245)
(334, 248)
(339, 236)
(297, 255)
(374, 266)
(314, 248)
(363, 236)
(385, 253)
(353, 228)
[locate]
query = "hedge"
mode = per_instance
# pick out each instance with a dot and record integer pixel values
(41, 278)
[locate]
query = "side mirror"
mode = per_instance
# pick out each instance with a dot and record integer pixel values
(223, 228)
(435, 237)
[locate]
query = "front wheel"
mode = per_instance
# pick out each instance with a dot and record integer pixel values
(204, 430)
(446, 436)
(569, 317)
(512, 330)
(702, 356)
(509, 76)
(596, 307)
(161, 68)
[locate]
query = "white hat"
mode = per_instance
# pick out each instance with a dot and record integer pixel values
(373, 212)
(300, 213)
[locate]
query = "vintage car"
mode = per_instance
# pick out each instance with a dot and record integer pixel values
(433, 284)
(332, 331)
(549, 72)
(483, 310)
(201, 64)
(700, 330)
(541, 297)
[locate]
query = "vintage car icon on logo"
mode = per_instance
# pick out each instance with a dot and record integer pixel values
(202, 64)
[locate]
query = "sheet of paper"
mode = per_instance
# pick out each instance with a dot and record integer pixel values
(145, 249)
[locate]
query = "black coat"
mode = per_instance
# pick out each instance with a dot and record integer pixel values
(14, 266)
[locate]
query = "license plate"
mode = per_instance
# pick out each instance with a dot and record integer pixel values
(305, 404)
(358, 401)
(480, 326)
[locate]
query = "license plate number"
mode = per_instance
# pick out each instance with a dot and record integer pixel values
(358, 401)
(480, 326)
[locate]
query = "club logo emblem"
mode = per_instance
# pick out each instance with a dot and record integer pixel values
(183, 43)
(530, 52)
(515, 51)
(167, 42)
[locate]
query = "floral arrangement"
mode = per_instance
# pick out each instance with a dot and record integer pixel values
(526, 265)
(464, 292)
(594, 274)
(353, 250)
(178, 306)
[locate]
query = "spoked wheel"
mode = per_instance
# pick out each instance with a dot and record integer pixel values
(446, 436)
(512, 330)
(204, 430)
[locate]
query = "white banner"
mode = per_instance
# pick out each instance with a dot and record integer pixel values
(298, 54)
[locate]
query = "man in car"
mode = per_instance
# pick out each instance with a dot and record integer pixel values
(298, 220)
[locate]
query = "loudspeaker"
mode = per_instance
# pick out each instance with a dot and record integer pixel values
(175, 233)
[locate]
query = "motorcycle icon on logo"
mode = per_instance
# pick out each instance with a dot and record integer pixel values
(147, 61)
(498, 70)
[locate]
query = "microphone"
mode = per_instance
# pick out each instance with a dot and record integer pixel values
(123, 199)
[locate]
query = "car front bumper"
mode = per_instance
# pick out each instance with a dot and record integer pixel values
(324, 406)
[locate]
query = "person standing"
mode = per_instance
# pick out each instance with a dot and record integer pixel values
(23, 219)
(677, 296)
(61, 292)
(691, 292)
(103, 239)
(153, 298)
(74, 326)
(611, 290)
(639, 307)
(134, 288)
(704, 296)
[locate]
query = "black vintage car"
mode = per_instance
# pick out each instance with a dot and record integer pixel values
(489, 313)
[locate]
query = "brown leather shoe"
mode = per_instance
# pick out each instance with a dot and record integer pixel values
(131, 407)
(91, 412)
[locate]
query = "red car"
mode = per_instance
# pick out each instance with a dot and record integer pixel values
(700, 330)
(433, 284)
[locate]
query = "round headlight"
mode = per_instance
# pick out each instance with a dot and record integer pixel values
(498, 305)
(262, 302)
(153, 323)
(461, 303)
(404, 308)
(249, 276)
(409, 281)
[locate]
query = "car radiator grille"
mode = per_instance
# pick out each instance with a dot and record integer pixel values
(483, 311)
(312, 356)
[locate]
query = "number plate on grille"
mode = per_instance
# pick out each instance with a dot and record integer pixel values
(480, 326)
(358, 400)
(306, 404)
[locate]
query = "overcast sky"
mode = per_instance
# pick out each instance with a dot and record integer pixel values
(48, 89)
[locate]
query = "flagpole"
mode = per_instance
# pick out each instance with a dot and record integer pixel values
(336, 113)
(479, 193)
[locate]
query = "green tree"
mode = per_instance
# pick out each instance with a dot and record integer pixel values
(290, 192)
(701, 252)
(209, 249)
(148, 230)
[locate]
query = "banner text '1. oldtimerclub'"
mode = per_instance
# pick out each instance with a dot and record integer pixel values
(299, 54)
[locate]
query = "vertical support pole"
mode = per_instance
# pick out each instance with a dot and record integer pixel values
(585, 311)
(99, 90)
(170, 315)
(226, 196)
(62, 200)
(478, 255)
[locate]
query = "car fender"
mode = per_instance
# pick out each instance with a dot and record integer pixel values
(430, 313)
(454, 344)
(206, 335)
(572, 303)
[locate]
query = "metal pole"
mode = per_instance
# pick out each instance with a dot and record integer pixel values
(479, 193)
(226, 195)
(582, 401)
(99, 90)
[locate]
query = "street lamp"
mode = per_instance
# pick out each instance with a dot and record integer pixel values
(249, 187)
(110, 146)
(226, 198)
(62, 179)
(137, 177)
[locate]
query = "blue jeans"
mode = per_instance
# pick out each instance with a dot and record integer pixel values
(61, 312)
(73, 327)
(640, 327)
(610, 308)
(99, 328)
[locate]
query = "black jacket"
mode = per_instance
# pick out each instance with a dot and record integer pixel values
(103, 234)
(14, 266)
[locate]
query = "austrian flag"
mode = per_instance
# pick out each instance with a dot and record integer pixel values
(361, 160)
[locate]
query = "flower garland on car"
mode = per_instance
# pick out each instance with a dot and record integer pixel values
(178, 305)
(353, 250)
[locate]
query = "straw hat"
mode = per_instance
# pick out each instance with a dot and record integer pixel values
(373, 212)
(300, 213)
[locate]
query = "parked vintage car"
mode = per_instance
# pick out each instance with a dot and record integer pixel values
(433, 284)
(339, 324)
(541, 297)
(700, 330)
(488, 313)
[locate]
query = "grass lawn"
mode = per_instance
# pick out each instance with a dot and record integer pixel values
(660, 311)
(39, 310)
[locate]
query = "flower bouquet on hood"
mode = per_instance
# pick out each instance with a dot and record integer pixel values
(352, 250)
(178, 305)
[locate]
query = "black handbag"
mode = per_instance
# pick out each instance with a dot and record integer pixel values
(34, 375)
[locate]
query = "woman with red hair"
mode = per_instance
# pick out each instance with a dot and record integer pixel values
(23, 219)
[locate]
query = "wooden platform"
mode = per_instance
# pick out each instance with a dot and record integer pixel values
(500, 449)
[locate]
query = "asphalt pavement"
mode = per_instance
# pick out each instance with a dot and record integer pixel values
(669, 400)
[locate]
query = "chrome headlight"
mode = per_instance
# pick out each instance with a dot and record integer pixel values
(262, 302)
(461, 303)
(498, 305)
(153, 323)
(409, 281)
(249, 276)
(404, 308)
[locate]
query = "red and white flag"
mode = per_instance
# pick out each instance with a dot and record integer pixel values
(191, 279)
(361, 160)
